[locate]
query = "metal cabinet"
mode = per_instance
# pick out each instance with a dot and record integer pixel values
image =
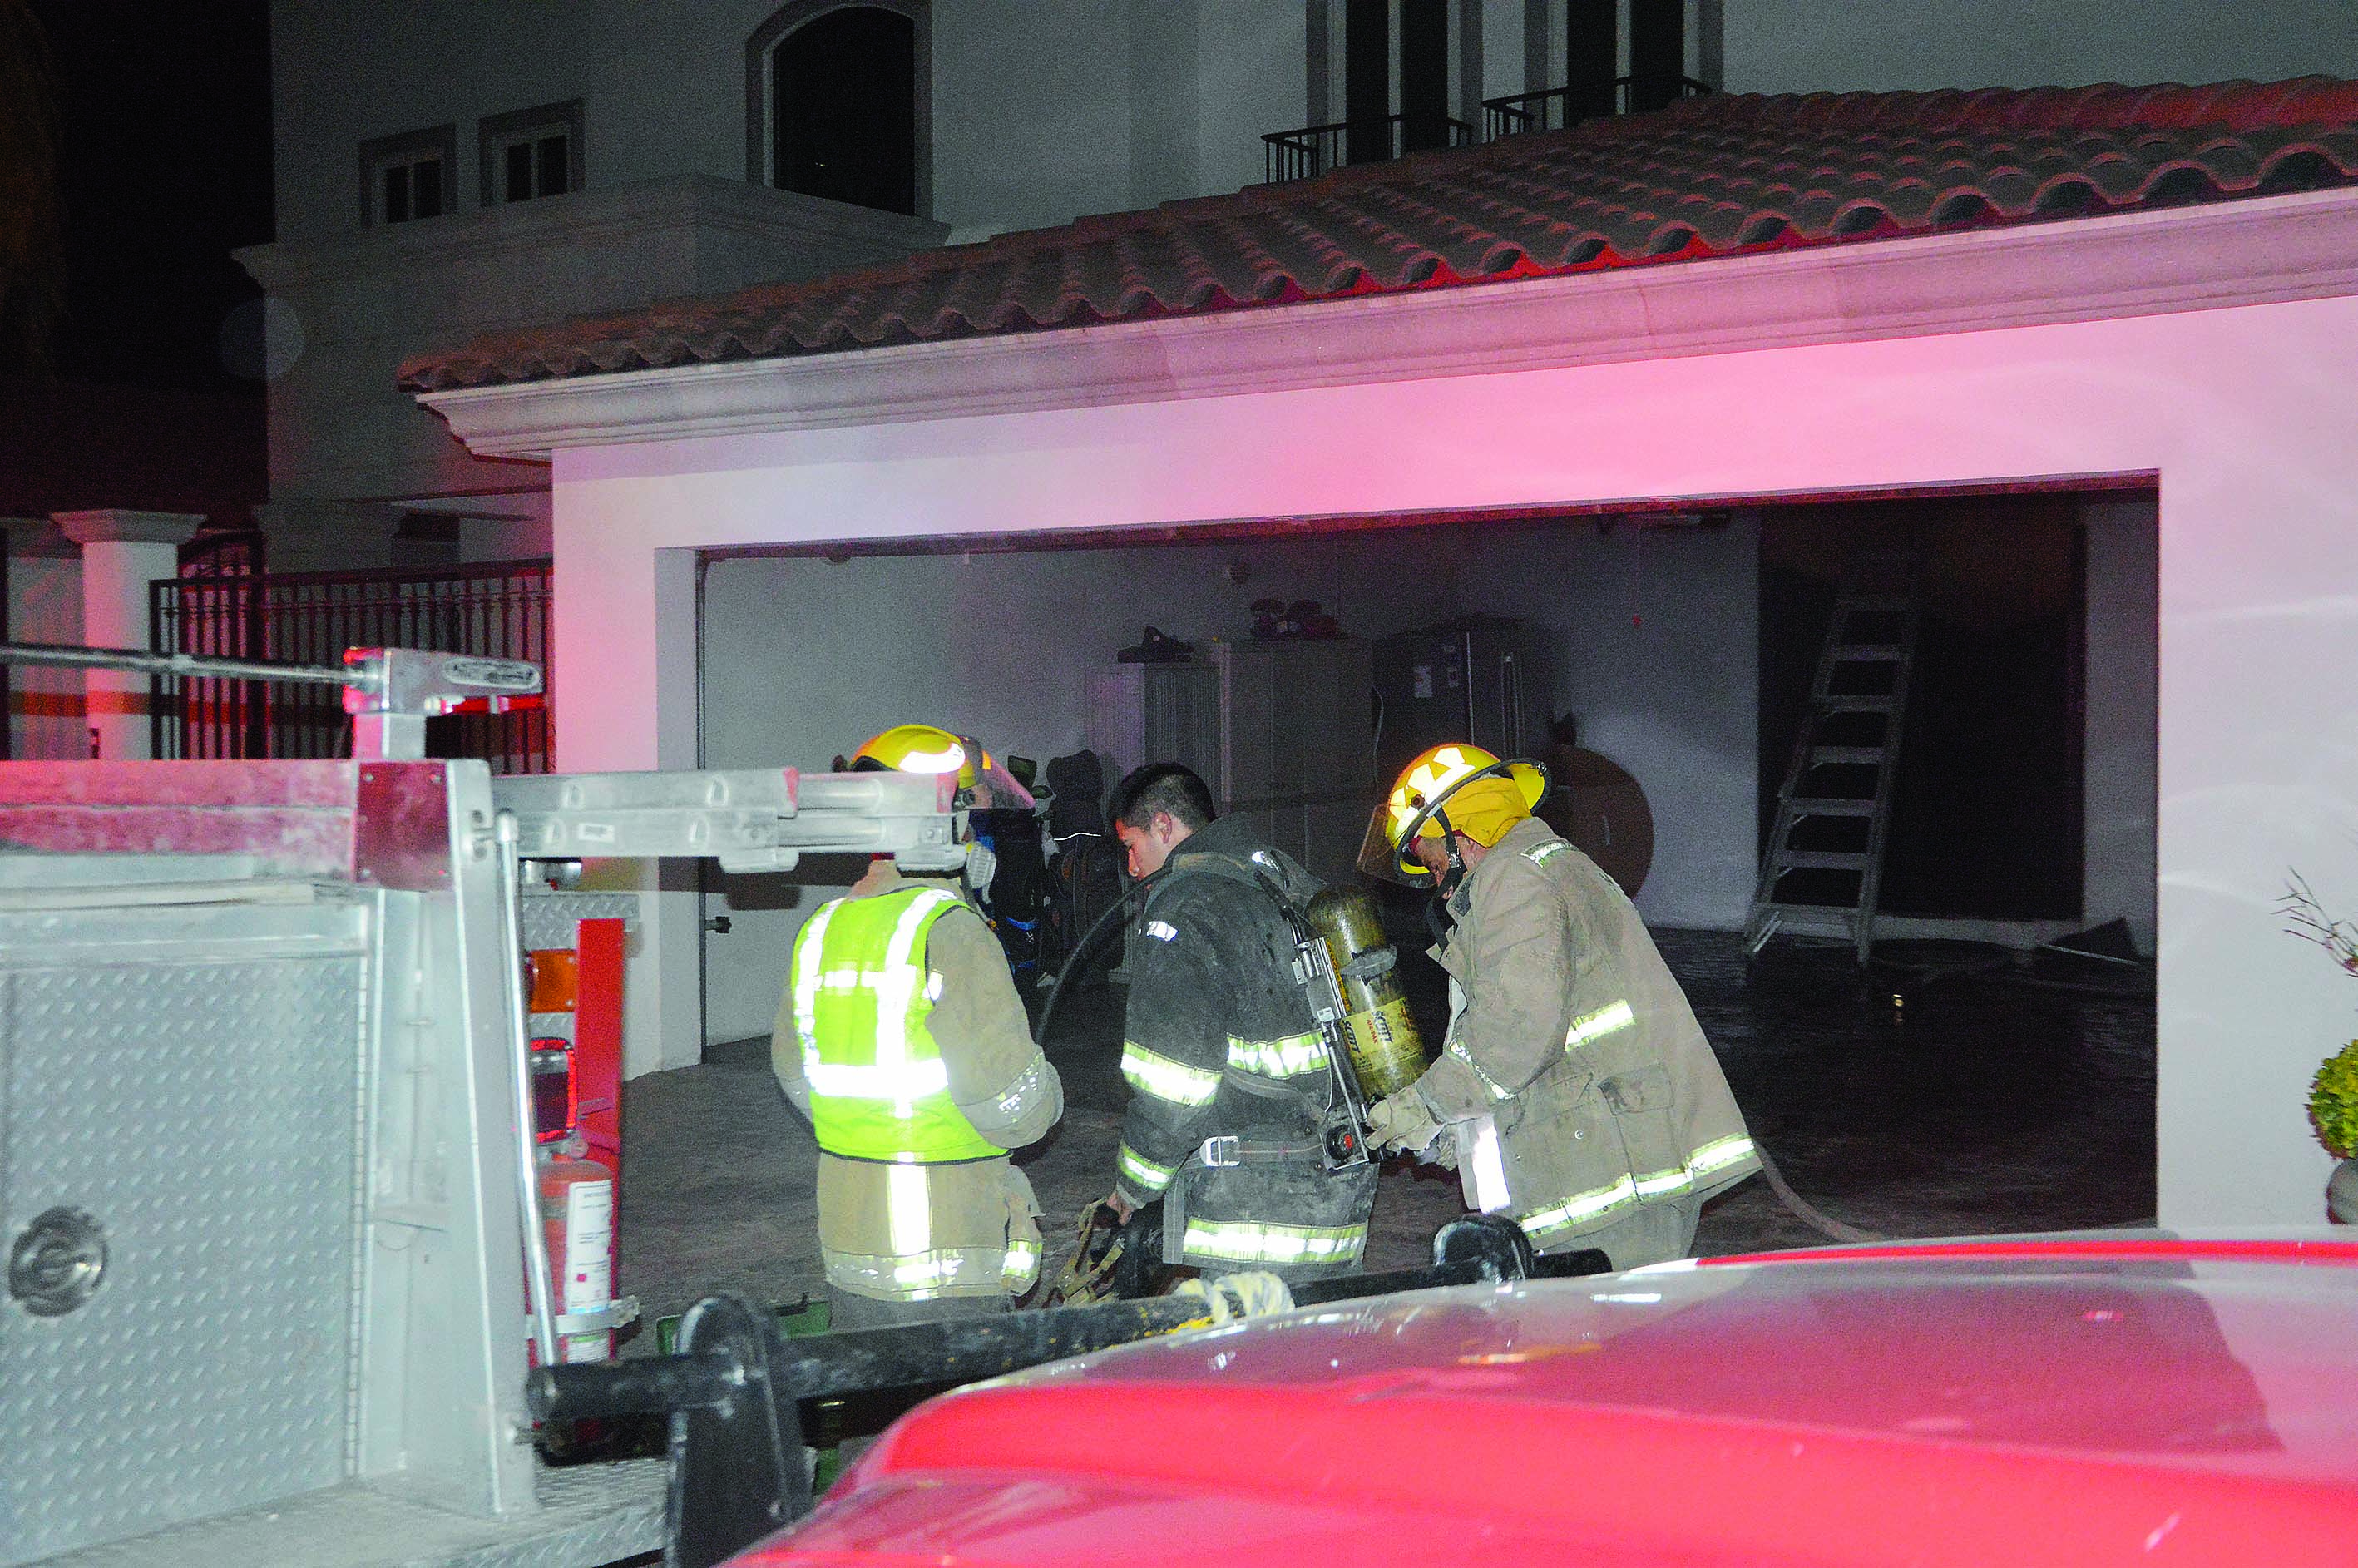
(1282, 731)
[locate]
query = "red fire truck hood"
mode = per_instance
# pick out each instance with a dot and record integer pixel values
(2043, 1401)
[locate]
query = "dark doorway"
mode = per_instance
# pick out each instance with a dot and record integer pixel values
(1986, 810)
(1366, 81)
(843, 109)
(1425, 74)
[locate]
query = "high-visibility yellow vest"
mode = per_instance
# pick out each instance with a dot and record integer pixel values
(880, 1090)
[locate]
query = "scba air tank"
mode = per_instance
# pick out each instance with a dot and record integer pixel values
(1387, 1053)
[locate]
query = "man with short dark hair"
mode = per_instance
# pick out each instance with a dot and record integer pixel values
(1230, 1075)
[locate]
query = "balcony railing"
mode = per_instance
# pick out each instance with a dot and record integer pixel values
(1315, 149)
(1553, 109)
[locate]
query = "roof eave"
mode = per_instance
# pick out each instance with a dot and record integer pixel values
(2256, 251)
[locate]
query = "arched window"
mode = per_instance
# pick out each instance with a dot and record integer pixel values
(840, 102)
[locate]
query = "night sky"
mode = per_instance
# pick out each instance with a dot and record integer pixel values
(166, 118)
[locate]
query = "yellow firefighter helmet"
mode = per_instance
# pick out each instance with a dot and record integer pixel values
(924, 748)
(930, 748)
(1418, 807)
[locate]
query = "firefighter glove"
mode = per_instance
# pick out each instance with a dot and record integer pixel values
(1403, 1122)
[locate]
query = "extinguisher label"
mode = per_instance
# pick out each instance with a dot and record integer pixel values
(589, 1261)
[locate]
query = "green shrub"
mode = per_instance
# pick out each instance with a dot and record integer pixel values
(2333, 1103)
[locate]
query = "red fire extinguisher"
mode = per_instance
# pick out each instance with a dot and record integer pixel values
(577, 1215)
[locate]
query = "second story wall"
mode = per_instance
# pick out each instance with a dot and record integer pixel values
(1041, 111)
(661, 87)
(1806, 46)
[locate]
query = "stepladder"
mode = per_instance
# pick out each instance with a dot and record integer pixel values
(1821, 866)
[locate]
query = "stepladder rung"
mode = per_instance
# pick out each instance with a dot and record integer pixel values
(1830, 805)
(1829, 756)
(1832, 703)
(1820, 860)
(1869, 653)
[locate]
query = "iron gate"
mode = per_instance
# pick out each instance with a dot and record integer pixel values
(497, 610)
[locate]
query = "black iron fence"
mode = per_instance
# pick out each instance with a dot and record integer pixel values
(1554, 109)
(498, 609)
(1313, 149)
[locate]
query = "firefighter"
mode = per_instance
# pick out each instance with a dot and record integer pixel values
(901, 1039)
(1229, 1077)
(1575, 1090)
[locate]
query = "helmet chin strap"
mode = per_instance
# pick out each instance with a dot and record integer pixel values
(1436, 908)
(1446, 883)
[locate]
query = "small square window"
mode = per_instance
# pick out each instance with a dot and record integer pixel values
(408, 177)
(531, 152)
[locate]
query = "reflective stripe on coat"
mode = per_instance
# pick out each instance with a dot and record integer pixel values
(1576, 1043)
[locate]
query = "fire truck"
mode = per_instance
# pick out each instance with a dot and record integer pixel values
(304, 1164)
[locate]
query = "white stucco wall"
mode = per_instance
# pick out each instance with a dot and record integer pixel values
(663, 88)
(1050, 109)
(2245, 413)
(1809, 46)
(1042, 111)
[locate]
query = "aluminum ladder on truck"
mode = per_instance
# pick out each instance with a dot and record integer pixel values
(1833, 810)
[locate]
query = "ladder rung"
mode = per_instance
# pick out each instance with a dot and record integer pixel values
(1828, 806)
(1873, 604)
(1867, 652)
(1826, 756)
(1806, 909)
(1820, 860)
(1831, 704)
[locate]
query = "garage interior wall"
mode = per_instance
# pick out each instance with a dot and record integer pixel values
(805, 658)
(1652, 628)
(1003, 644)
(2122, 699)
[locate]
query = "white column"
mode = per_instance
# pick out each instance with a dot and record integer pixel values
(622, 689)
(121, 553)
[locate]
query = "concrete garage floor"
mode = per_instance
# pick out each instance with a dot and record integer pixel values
(1949, 1091)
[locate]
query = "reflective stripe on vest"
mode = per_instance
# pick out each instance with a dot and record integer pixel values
(880, 1089)
(1597, 1025)
(938, 1272)
(1142, 1173)
(1290, 1057)
(1153, 1073)
(1248, 1241)
(1021, 1267)
(915, 1269)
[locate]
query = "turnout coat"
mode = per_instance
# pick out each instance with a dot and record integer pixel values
(1577, 1080)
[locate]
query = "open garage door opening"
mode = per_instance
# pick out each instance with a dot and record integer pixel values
(1966, 1082)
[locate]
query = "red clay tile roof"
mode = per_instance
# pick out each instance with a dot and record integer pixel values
(1706, 176)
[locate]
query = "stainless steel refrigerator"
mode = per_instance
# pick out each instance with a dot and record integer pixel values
(1484, 679)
